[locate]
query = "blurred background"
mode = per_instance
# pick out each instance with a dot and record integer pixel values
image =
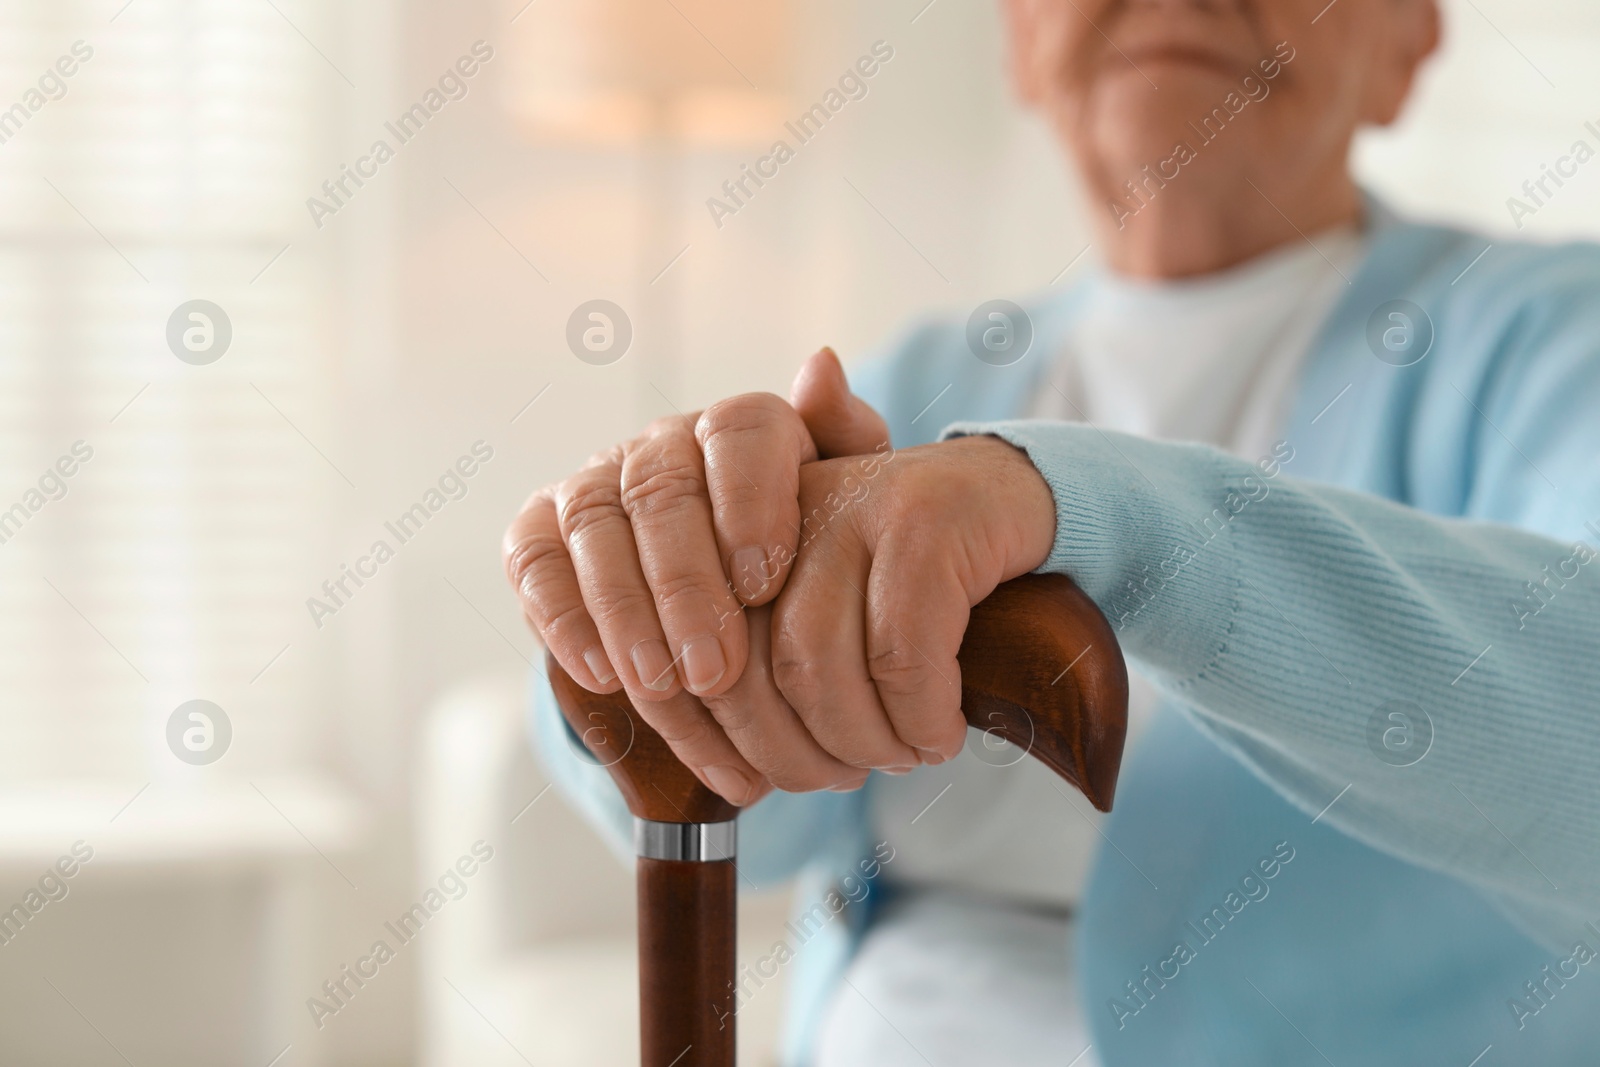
(382, 354)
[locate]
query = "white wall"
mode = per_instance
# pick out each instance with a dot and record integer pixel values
(1510, 91)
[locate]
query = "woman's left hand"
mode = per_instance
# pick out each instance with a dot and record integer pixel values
(895, 549)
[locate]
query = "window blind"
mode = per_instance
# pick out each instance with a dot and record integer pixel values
(171, 165)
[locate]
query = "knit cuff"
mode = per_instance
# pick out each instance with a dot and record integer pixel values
(1144, 528)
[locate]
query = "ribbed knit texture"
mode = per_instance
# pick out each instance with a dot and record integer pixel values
(1295, 611)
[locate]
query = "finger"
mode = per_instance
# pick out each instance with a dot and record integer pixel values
(914, 631)
(753, 447)
(819, 653)
(765, 729)
(840, 423)
(540, 570)
(664, 496)
(599, 540)
(701, 745)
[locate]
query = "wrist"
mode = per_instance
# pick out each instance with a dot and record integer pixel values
(1018, 497)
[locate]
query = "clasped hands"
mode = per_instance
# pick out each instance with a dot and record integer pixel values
(806, 583)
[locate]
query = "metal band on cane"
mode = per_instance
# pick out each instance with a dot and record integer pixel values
(696, 842)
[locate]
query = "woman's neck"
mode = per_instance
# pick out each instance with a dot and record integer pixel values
(1209, 227)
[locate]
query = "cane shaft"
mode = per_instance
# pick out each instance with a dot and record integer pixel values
(686, 962)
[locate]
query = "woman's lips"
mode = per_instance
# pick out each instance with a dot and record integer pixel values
(1182, 55)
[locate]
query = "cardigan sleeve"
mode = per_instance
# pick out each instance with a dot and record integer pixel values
(1439, 674)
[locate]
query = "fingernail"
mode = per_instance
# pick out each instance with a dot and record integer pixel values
(599, 666)
(750, 576)
(897, 770)
(847, 787)
(733, 786)
(931, 757)
(703, 662)
(653, 663)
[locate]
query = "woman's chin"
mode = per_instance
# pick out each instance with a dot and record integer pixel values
(1135, 128)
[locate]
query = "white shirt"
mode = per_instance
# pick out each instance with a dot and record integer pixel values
(1213, 360)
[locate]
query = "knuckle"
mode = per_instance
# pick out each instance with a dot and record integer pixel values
(586, 501)
(564, 630)
(653, 485)
(737, 498)
(532, 566)
(530, 559)
(802, 681)
(898, 670)
(615, 602)
(678, 592)
(734, 716)
(743, 414)
(535, 517)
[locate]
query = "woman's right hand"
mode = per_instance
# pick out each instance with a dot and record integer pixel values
(636, 570)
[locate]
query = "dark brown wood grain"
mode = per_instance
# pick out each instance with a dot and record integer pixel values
(686, 963)
(654, 784)
(1040, 667)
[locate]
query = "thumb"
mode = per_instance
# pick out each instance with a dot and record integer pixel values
(841, 423)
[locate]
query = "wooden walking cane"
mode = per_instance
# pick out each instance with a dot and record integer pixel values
(1040, 667)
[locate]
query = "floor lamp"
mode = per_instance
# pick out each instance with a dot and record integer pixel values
(663, 80)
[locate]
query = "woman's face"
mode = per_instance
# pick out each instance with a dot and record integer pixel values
(1125, 81)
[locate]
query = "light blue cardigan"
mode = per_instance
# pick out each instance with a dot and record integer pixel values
(1427, 911)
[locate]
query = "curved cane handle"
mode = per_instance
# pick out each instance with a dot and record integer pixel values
(1040, 667)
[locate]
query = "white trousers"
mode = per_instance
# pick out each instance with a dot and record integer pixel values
(950, 980)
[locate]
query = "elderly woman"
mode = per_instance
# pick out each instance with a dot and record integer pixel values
(1327, 472)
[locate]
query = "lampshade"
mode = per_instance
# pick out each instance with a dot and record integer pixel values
(709, 72)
